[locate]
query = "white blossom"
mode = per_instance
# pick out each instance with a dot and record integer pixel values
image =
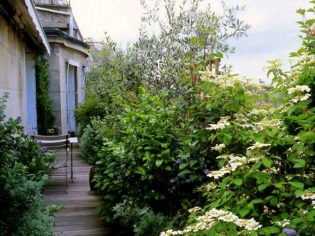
(258, 145)
(299, 88)
(308, 195)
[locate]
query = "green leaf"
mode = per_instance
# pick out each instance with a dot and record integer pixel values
(259, 138)
(244, 211)
(299, 193)
(269, 230)
(310, 218)
(192, 163)
(298, 220)
(219, 54)
(266, 162)
(298, 185)
(227, 139)
(300, 164)
(182, 166)
(237, 182)
(257, 165)
(184, 172)
(262, 187)
(168, 168)
(274, 201)
(147, 155)
(141, 171)
(194, 40)
(158, 163)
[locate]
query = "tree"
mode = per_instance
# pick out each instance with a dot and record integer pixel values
(186, 41)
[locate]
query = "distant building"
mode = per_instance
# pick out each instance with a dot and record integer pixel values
(68, 60)
(47, 27)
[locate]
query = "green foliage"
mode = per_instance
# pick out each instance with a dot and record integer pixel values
(190, 36)
(23, 173)
(265, 183)
(107, 85)
(44, 103)
(91, 141)
(147, 109)
(142, 220)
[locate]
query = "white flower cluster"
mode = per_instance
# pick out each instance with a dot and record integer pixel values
(299, 91)
(267, 124)
(244, 122)
(218, 147)
(233, 163)
(308, 195)
(258, 145)
(210, 218)
(194, 209)
(224, 122)
(299, 88)
(282, 223)
(217, 173)
(297, 99)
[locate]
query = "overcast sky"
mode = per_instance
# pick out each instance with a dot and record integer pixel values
(273, 34)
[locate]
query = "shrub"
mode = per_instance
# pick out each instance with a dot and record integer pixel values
(142, 221)
(23, 173)
(91, 140)
(265, 184)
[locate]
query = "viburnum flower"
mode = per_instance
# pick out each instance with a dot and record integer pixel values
(252, 225)
(282, 223)
(218, 173)
(221, 124)
(216, 213)
(308, 195)
(218, 147)
(299, 88)
(228, 217)
(258, 145)
(194, 209)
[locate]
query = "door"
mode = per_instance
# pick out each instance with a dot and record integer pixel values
(31, 125)
(71, 97)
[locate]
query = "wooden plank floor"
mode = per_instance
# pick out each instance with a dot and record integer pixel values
(78, 216)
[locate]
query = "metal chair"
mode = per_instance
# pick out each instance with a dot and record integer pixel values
(55, 143)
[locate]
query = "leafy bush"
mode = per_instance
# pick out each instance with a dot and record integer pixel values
(265, 184)
(91, 140)
(23, 173)
(156, 155)
(143, 221)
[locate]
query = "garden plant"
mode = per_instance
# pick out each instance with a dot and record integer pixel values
(23, 172)
(196, 152)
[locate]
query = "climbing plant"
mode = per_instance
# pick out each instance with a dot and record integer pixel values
(44, 103)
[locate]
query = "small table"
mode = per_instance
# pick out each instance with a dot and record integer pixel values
(73, 140)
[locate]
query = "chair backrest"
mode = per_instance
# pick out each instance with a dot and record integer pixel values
(53, 141)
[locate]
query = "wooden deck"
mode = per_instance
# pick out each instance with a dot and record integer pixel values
(78, 216)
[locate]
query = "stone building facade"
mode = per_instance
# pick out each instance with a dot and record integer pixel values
(68, 60)
(21, 38)
(47, 27)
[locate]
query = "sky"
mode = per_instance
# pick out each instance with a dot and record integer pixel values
(273, 33)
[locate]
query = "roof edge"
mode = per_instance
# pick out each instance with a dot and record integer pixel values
(31, 9)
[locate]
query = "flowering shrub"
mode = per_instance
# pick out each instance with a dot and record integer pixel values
(265, 183)
(23, 173)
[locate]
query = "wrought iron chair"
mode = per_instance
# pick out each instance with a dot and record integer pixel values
(55, 143)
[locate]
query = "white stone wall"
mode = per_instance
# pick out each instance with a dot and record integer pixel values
(12, 71)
